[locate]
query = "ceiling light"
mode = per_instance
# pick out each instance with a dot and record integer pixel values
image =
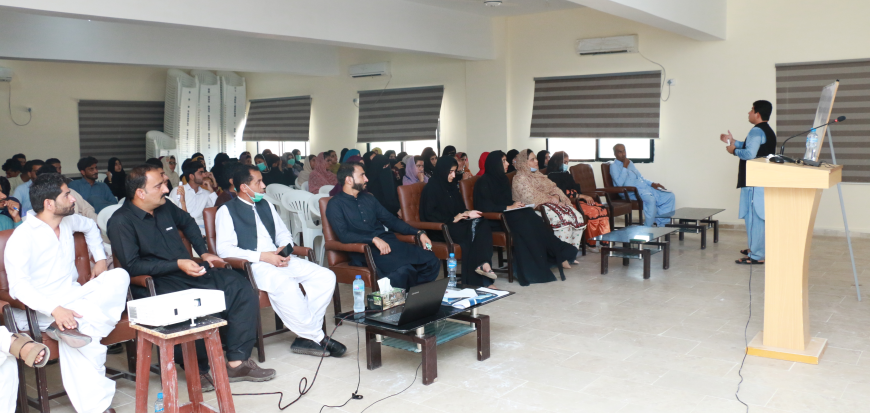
(492, 3)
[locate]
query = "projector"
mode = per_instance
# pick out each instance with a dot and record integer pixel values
(174, 308)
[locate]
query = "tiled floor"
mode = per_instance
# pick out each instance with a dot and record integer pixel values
(612, 343)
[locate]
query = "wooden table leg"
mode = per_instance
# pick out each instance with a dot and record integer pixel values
(715, 231)
(219, 372)
(169, 378)
(373, 350)
(682, 235)
(666, 258)
(191, 373)
(625, 261)
(645, 253)
(604, 258)
(482, 337)
(703, 236)
(430, 360)
(143, 368)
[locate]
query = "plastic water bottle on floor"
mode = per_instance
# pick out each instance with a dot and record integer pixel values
(158, 405)
(359, 296)
(451, 271)
(812, 145)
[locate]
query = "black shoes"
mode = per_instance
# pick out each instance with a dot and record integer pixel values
(311, 348)
(335, 348)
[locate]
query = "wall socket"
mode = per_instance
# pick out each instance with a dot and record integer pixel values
(672, 82)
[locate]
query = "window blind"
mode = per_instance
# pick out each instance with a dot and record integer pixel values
(399, 114)
(798, 88)
(278, 119)
(111, 128)
(620, 105)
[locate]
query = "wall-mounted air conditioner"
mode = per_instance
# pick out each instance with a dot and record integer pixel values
(607, 45)
(370, 70)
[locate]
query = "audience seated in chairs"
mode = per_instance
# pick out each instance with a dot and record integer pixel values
(226, 184)
(98, 194)
(597, 215)
(655, 199)
(357, 217)
(82, 207)
(10, 209)
(40, 265)
(13, 173)
(249, 228)
(194, 196)
(442, 202)
(116, 178)
(535, 247)
(543, 159)
(381, 184)
(532, 187)
(146, 241)
(16, 346)
(22, 192)
(320, 174)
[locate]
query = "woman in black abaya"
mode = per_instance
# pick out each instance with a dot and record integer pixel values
(381, 183)
(535, 248)
(442, 202)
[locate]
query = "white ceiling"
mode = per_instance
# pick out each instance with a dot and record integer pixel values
(507, 8)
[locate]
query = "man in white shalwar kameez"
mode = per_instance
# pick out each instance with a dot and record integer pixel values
(40, 266)
(249, 228)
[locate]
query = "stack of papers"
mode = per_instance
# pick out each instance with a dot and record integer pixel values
(465, 298)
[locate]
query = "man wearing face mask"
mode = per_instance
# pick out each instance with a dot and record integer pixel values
(251, 229)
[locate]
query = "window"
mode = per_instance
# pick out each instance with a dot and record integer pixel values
(601, 150)
(385, 146)
(117, 128)
(278, 148)
(416, 147)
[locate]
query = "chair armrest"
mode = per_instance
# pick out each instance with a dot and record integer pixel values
(495, 216)
(144, 281)
(304, 252)
(338, 246)
(4, 295)
(433, 226)
(8, 317)
(236, 263)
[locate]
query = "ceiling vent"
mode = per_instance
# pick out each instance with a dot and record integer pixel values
(607, 45)
(370, 70)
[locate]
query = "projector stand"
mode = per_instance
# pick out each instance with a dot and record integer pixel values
(845, 220)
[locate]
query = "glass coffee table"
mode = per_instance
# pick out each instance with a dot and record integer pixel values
(635, 242)
(695, 220)
(423, 335)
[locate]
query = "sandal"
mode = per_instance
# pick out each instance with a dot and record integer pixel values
(747, 261)
(19, 341)
(490, 274)
(745, 252)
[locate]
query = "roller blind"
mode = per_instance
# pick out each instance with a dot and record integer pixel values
(278, 119)
(621, 105)
(112, 128)
(399, 114)
(798, 88)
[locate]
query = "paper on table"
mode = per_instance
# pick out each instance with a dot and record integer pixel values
(498, 293)
(464, 293)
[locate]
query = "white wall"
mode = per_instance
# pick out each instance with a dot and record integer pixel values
(717, 83)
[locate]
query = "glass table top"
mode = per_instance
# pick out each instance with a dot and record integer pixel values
(636, 234)
(691, 213)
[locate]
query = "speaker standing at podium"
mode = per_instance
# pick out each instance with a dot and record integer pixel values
(760, 142)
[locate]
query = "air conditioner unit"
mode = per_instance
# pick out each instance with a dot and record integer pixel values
(370, 70)
(6, 74)
(607, 45)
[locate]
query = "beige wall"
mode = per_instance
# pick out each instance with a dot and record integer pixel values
(717, 83)
(53, 91)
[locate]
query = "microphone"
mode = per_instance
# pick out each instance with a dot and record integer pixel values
(782, 148)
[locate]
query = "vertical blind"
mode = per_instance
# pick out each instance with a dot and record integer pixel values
(399, 114)
(798, 89)
(111, 128)
(620, 105)
(278, 119)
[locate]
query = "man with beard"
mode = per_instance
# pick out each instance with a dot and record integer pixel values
(98, 194)
(357, 217)
(146, 240)
(40, 265)
(196, 195)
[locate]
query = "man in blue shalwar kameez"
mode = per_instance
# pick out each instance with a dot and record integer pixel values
(656, 200)
(760, 142)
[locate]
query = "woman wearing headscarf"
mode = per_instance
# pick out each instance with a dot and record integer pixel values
(430, 158)
(397, 166)
(413, 170)
(598, 222)
(481, 163)
(533, 187)
(378, 151)
(442, 202)
(535, 246)
(116, 178)
(305, 175)
(543, 159)
(511, 157)
(382, 185)
(351, 152)
(341, 155)
(288, 162)
(462, 160)
(320, 176)
(169, 164)
(367, 159)
(449, 150)
(245, 158)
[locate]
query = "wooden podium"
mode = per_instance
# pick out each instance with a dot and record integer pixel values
(791, 201)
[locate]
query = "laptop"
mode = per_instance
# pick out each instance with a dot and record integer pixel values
(422, 301)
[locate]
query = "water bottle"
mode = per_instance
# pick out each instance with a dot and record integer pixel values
(158, 405)
(359, 295)
(812, 145)
(451, 271)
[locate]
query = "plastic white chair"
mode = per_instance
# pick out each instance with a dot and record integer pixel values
(305, 186)
(276, 192)
(103, 222)
(325, 189)
(314, 213)
(297, 202)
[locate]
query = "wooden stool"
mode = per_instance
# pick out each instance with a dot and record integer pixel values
(166, 338)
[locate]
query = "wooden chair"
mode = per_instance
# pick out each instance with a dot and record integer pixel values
(500, 239)
(409, 199)
(208, 215)
(636, 204)
(121, 334)
(585, 177)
